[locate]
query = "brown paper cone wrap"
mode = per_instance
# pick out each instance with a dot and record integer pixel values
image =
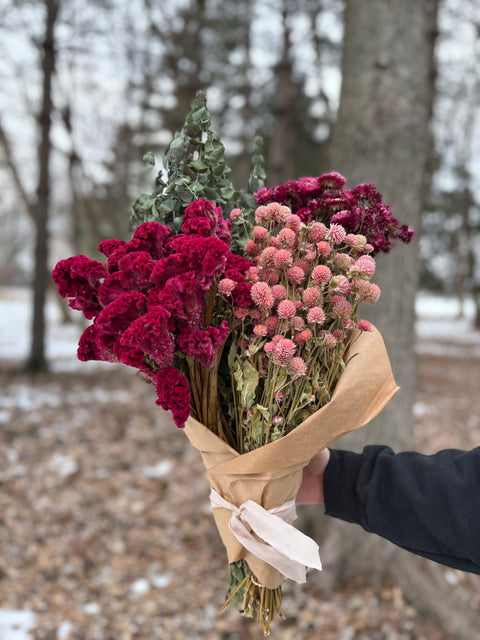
(271, 475)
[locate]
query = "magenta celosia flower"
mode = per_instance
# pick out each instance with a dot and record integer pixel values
(79, 279)
(287, 236)
(368, 292)
(324, 249)
(311, 296)
(303, 336)
(364, 325)
(261, 295)
(366, 265)
(297, 366)
(316, 315)
(88, 349)
(336, 234)
(296, 274)
(282, 257)
(204, 218)
(321, 274)
(260, 330)
(173, 393)
(297, 323)
(203, 344)
(150, 334)
(279, 292)
(226, 286)
(341, 308)
(286, 309)
(283, 351)
(150, 237)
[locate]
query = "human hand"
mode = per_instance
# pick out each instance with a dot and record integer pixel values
(311, 489)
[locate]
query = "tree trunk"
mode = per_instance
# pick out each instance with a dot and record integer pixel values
(382, 137)
(37, 361)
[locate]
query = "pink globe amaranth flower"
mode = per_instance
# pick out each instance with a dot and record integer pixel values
(311, 296)
(283, 351)
(261, 295)
(271, 323)
(329, 340)
(226, 286)
(293, 222)
(269, 347)
(251, 248)
(282, 257)
(361, 240)
(259, 234)
(364, 325)
(304, 265)
(338, 333)
(260, 214)
(173, 394)
(256, 314)
(321, 274)
(287, 236)
(316, 315)
(274, 242)
(273, 211)
(342, 261)
(368, 248)
(260, 330)
(317, 232)
(241, 313)
(286, 309)
(336, 234)
(253, 274)
(351, 240)
(296, 274)
(324, 248)
(298, 323)
(235, 214)
(279, 292)
(341, 308)
(271, 277)
(284, 213)
(342, 284)
(368, 292)
(310, 255)
(303, 336)
(297, 366)
(366, 265)
(266, 258)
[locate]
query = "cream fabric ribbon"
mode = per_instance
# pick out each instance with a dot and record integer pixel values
(282, 546)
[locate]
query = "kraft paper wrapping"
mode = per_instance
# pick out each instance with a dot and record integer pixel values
(271, 475)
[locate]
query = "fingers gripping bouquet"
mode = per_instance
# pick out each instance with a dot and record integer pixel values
(259, 353)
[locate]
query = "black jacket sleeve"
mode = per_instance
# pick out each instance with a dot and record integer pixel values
(429, 505)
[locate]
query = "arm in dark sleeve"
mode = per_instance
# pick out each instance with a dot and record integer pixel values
(429, 505)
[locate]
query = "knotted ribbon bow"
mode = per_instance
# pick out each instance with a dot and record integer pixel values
(282, 546)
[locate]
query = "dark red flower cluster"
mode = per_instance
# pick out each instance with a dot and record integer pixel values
(148, 304)
(359, 210)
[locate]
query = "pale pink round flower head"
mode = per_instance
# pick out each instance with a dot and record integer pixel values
(324, 249)
(276, 339)
(259, 233)
(279, 396)
(267, 257)
(262, 295)
(329, 340)
(260, 330)
(298, 323)
(226, 286)
(282, 257)
(336, 234)
(287, 236)
(361, 240)
(269, 347)
(279, 292)
(241, 313)
(293, 222)
(304, 265)
(251, 248)
(255, 314)
(298, 304)
(235, 214)
(270, 277)
(342, 261)
(317, 232)
(311, 296)
(341, 308)
(368, 292)
(260, 213)
(296, 274)
(338, 333)
(351, 240)
(368, 248)
(297, 366)
(364, 325)
(284, 213)
(316, 315)
(366, 265)
(274, 242)
(342, 285)
(252, 274)
(273, 210)
(284, 351)
(277, 420)
(310, 255)
(271, 323)
(286, 309)
(303, 336)
(321, 274)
